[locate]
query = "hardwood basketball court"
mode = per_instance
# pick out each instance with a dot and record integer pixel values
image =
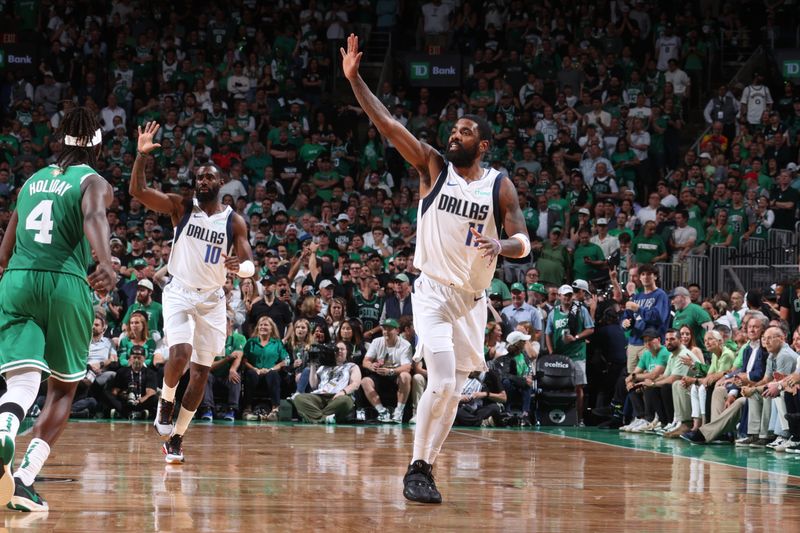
(268, 477)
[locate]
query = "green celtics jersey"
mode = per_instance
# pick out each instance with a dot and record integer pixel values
(738, 222)
(368, 311)
(574, 350)
(50, 228)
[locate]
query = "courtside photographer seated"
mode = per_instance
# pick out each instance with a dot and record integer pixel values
(334, 380)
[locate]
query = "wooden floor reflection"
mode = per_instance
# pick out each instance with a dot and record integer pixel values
(312, 478)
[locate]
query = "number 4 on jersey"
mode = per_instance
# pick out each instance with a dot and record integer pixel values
(40, 221)
(479, 228)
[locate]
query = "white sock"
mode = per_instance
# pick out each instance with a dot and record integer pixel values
(380, 408)
(401, 407)
(168, 393)
(22, 387)
(435, 405)
(182, 423)
(9, 423)
(33, 461)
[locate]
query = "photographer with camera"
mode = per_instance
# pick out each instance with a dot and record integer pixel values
(334, 380)
(133, 390)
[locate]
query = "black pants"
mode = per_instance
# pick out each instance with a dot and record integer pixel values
(125, 409)
(792, 402)
(465, 416)
(268, 385)
(658, 401)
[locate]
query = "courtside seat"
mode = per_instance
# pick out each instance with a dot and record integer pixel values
(555, 399)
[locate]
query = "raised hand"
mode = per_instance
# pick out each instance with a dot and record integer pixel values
(145, 142)
(351, 58)
(489, 248)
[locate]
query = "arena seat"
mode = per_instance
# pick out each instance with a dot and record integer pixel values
(556, 397)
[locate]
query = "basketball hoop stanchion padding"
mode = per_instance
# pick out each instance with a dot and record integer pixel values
(556, 397)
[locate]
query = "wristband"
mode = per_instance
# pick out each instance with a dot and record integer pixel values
(526, 243)
(246, 269)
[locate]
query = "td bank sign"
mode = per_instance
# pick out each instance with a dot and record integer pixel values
(434, 71)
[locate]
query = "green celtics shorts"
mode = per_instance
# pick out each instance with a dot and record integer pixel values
(45, 323)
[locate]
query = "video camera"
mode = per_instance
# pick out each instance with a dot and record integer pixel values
(322, 354)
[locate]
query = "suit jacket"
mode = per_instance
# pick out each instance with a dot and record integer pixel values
(759, 366)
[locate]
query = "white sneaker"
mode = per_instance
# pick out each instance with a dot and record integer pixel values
(164, 427)
(671, 427)
(330, 419)
(784, 445)
(384, 416)
(397, 417)
(646, 426)
(779, 442)
(653, 427)
(637, 423)
(629, 425)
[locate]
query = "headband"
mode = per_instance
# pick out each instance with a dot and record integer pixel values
(97, 138)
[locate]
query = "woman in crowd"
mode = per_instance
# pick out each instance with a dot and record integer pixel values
(707, 375)
(351, 334)
(336, 316)
(493, 343)
(264, 357)
(298, 341)
(138, 335)
(687, 339)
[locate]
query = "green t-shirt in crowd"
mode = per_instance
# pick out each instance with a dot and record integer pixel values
(265, 356)
(645, 249)
(648, 362)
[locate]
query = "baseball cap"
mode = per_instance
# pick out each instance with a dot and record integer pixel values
(564, 289)
(138, 235)
(115, 240)
(516, 336)
(580, 284)
(158, 228)
(291, 227)
(325, 284)
(537, 287)
(137, 350)
(267, 280)
(115, 260)
(705, 155)
(343, 217)
(555, 229)
(519, 287)
(494, 294)
(390, 323)
(651, 333)
(679, 291)
(146, 283)
(137, 263)
(402, 278)
(584, 211)
(602, 222)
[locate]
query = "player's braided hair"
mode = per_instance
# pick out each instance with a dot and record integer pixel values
(80, 123)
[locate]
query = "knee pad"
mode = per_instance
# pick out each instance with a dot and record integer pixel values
(442, 393)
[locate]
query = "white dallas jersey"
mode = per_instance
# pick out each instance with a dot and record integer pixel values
(200, 240)
(446, 249)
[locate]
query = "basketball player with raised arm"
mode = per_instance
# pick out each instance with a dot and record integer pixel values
(207, 234)
(46, 309)
(462, 212)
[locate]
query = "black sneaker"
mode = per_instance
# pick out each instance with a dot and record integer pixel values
(173, 450)
(418, 484)
(163, 421)
(694, 437)
(26, 498)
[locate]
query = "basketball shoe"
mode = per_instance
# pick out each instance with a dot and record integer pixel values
(26, 498)
(7, 447)
(173, 450)
(418, 483)
(163, 421)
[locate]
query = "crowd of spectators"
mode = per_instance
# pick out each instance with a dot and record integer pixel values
(588, 102)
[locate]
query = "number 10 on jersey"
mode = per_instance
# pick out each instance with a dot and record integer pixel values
(479, 228)
(212, 254)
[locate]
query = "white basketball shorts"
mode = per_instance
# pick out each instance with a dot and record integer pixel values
(196, 318)
(447, 319)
